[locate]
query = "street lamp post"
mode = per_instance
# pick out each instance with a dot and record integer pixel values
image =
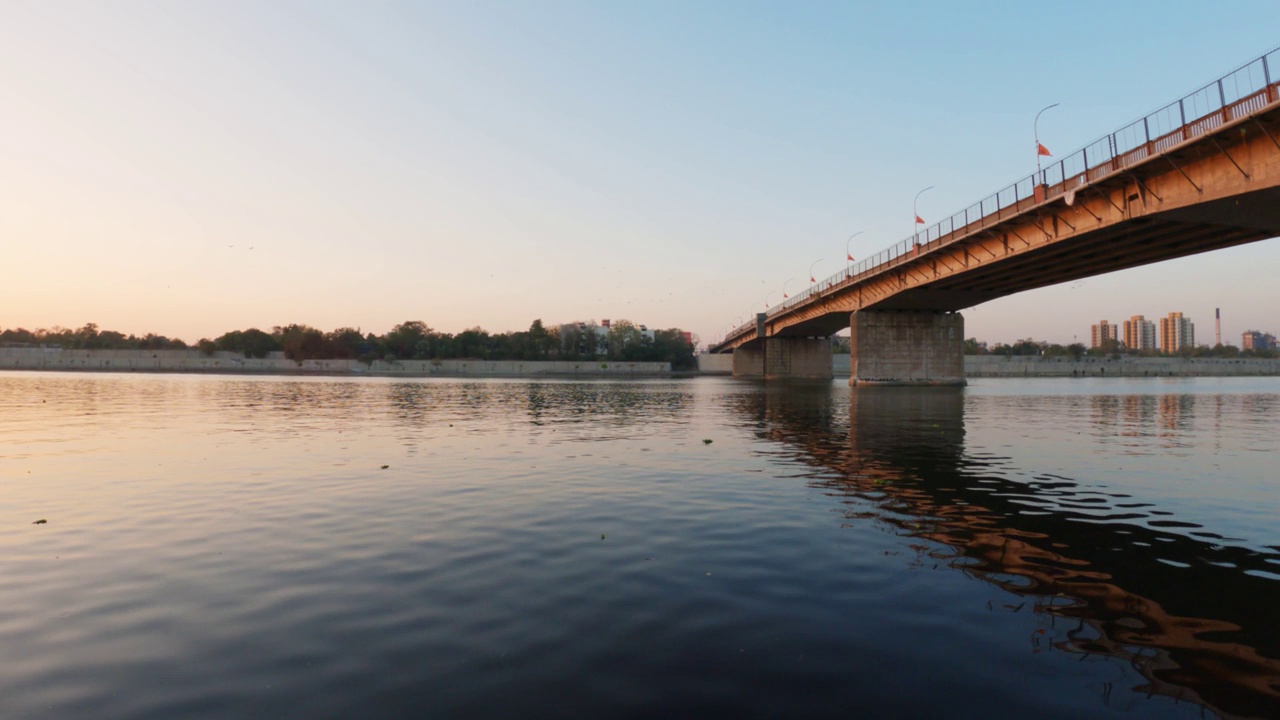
(766, 300)
(916, 215)
(1040, 149)
(784, 288)
(813, 279)
(848, 254)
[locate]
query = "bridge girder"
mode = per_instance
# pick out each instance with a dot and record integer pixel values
(1216, 191)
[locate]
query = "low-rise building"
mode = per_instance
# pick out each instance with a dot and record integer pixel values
(1254, 340)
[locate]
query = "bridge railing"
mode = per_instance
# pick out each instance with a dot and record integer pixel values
(1245, 90)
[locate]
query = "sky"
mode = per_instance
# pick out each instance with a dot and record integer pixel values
(198, 167)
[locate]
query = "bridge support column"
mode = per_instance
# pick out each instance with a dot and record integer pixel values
(902, 347)
(780, 358)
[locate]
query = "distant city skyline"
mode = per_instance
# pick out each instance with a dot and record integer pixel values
(197, 168)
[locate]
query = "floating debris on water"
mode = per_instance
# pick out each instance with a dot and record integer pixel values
(706, 441)
(41, 521)
(384, 467)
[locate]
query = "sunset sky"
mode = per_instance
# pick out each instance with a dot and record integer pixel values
(192, 168)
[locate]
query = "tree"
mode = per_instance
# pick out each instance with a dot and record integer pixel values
(252, 342)
(403, 339)
(671, 346)
(348, 343)
(472, 343)
(626, 342)
(1108, 346)
(542, 343)
(302, 342)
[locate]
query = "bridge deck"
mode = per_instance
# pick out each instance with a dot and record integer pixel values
(1208, 183)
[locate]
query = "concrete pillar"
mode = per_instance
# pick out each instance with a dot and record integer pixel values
(748, 361)
(781, 358)
(901, 347)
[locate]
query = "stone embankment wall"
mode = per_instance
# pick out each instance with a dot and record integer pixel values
(276, 363)
(976, 366)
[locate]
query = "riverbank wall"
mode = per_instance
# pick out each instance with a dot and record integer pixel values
(976, 366)
(998, 366)
(193, 361)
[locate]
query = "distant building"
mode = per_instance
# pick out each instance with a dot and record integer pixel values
(1176, 332)
(1254, 340)
(1139, 333)
(1102, 332)
(585, 338)
(580, 336)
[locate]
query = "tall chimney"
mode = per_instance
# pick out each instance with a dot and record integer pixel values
(1217, 326)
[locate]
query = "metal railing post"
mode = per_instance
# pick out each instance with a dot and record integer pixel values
(1266, 71)
(1222, 96)
(1146, 131)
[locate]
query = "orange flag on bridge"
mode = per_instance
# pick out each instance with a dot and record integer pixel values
(850, 258)
(919, 220)
(1042, 150)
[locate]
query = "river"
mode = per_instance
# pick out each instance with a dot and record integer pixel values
(232, 547)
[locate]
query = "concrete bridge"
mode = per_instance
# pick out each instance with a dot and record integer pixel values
(1200, 174)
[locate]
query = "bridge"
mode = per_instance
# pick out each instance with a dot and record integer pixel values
(1200, 174)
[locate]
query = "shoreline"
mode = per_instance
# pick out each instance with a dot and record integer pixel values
(193, 361)
(225, 363)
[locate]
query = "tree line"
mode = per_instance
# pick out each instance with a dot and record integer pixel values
(410, 340)
(87, 338)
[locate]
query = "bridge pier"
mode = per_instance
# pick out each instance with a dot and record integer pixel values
(779, 358)
(902, 347)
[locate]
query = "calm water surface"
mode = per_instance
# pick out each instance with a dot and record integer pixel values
(225, 547)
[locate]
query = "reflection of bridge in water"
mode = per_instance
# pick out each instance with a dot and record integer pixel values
(1200, 631)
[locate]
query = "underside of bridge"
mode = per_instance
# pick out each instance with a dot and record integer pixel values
(1217, 190)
